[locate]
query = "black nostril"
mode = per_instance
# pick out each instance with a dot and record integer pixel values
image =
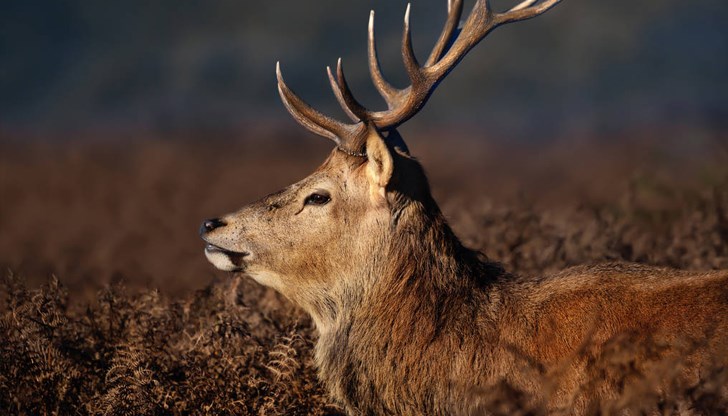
(211, 224)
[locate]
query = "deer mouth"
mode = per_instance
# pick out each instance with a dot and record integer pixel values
(224, 259)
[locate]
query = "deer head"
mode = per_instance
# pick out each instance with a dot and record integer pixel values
(323, 241)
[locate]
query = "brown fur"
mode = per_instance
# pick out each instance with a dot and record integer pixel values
(412, 322)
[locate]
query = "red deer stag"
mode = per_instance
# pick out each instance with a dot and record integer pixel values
(410, 320)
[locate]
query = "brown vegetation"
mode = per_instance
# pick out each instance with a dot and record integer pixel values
(96, 216)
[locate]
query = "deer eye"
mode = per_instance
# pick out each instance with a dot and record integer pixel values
(318, 198)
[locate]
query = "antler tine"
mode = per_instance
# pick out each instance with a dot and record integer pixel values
(481, 21)
(525, 10)
(307, 116)
(454, 13)
(387, 91)
(408, 54)
(479, 24)
(343, 94)
(523, 5)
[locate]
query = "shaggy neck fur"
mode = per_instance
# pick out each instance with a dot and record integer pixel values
(421, 295)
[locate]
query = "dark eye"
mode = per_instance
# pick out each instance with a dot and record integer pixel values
(318, 198)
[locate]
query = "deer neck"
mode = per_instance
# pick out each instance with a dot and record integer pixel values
(421, 257)
(411, 297)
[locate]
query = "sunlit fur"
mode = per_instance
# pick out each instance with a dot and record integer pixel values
(411, 322)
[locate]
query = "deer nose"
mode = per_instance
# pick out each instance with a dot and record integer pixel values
(211, 224)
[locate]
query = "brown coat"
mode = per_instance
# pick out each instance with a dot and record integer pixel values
(411, 322)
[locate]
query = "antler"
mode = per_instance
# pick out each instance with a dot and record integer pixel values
(402, 104)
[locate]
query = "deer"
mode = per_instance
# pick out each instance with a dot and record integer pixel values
(412, 322)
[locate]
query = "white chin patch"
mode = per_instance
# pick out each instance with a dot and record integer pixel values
(220, 260)
(267, 278)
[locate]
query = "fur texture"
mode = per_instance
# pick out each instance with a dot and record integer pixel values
(412, 322)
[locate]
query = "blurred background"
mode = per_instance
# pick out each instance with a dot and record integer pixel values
(124, 123)
(589, 67)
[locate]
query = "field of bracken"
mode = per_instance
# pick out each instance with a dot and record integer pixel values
(108, 306)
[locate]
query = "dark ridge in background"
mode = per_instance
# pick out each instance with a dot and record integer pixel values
(589, 66)
(94, 213)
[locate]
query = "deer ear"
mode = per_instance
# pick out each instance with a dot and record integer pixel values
(380, 166)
